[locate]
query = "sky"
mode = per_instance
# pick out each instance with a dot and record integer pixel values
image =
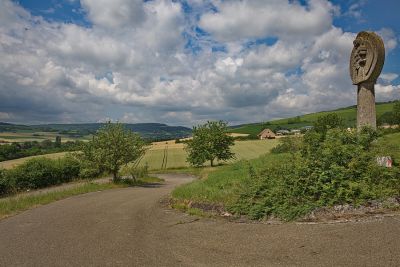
(184, 62)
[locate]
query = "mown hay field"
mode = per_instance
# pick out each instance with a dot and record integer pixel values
(169, 155)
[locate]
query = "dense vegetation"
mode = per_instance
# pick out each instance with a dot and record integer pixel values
(38, 173)
(327, 167)
(26, 149)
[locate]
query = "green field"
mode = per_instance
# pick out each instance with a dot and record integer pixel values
(176, 155)
(349, 115)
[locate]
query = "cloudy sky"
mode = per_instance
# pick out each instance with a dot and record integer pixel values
(183, 62)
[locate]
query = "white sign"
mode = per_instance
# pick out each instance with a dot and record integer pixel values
(384, 161)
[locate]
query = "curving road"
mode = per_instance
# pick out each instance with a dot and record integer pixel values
(129, 227)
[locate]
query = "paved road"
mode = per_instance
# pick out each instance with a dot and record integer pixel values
(129, 227)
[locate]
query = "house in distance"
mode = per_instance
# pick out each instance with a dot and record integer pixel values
(266, 134)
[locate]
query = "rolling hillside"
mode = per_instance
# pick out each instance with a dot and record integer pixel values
(151, 131)
(349, 114)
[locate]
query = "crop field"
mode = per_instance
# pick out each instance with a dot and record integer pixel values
(168, 155)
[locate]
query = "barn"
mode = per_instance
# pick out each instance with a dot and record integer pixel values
(266, 134)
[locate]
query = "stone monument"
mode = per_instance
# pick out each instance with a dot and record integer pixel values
(366, 63)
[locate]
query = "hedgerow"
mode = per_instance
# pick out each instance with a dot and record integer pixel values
(38, 173)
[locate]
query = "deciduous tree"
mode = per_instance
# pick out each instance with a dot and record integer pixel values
(210, 142)
(113, 146)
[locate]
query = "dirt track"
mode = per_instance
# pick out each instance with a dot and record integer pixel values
(129, 227)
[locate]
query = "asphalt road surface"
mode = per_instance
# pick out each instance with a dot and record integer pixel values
(129, 227)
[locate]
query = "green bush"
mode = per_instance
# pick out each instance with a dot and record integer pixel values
(5, 186)
(34, 173)
(135, 172)
(67, 168)
(89, 170)
(41, 172)
(333, 167)
(288, 144)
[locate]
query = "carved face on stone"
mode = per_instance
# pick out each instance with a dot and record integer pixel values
(367, 58)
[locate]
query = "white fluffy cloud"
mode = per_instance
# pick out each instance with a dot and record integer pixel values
(134, 63)
(120, 13)
(258, 18)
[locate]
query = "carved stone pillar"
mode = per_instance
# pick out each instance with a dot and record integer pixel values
(366, 63)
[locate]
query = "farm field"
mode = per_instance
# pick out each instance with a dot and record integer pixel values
(168, 155)
(176, 155)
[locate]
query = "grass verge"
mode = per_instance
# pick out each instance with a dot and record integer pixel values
(13, 205)
(219, 187)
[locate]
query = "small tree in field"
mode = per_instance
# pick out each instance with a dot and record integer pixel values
(210, 142)
(113, 146)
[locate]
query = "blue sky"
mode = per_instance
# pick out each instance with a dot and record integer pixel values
(184, 62)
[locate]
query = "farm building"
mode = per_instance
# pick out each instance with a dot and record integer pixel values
(282, 132)
(295, 131)
(266, 134)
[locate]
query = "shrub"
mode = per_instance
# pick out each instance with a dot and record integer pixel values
(5, 186)
(67, 168)
(289, 144)
(135, 172)
(328, 121)
(34, 173)
(41, 172)
(89, 170)
(334, 167)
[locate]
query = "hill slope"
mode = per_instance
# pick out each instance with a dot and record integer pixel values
(153, 131)
(349, 114)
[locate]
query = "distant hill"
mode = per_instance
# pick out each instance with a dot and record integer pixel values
(349, 114)
(151, 131)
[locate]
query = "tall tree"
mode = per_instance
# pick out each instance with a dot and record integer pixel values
(113, 146)
(210, 142)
